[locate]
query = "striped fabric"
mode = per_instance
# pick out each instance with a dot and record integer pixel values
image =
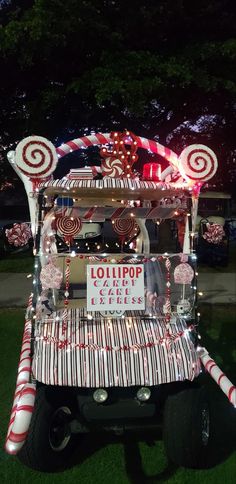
(112, 352)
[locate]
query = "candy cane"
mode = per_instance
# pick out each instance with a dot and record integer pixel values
(105, 138)
(217, 374)
(23, 404)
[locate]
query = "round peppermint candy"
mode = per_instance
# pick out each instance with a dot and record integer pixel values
(198, 163)
(36, 157)
(112, 167)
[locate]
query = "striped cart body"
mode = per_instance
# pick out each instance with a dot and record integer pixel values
(106, 352)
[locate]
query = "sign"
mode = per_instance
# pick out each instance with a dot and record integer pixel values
(115, 287)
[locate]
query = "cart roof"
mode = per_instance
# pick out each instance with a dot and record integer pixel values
(112, 188)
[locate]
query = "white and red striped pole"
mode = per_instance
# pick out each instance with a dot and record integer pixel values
(24, 397)
(217, 374)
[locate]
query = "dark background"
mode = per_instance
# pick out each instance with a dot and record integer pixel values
(161, 68)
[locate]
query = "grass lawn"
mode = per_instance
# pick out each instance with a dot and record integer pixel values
(131, 459)
(231, 264)
(22, 262)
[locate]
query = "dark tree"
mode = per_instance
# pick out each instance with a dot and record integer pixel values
(161, 68)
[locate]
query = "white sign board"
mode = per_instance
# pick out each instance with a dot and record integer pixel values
(115, 287)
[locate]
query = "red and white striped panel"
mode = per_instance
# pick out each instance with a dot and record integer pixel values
(24, 397)
(116, 352)
(100, 139)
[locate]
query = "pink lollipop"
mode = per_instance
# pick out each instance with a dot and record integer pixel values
(183, 273)
(197, 163)
(112, 167)
(36, 157)
(51, 276)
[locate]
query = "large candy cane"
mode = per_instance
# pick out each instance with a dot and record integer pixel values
(98, 139)
(23, 404)
(217, 374)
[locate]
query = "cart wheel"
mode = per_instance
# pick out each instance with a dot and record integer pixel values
(186, 430)
(49, 442)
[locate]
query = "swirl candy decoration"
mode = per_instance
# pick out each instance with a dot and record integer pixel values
(197, 163)
(68, 227)
(112, 167)
(123, 227)
(36, 157)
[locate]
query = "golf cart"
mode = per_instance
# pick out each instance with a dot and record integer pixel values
(111, 335)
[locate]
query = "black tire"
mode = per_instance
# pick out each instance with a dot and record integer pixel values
(49, 442)
(186, 428)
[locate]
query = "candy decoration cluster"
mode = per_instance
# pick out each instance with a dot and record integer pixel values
(36, 157)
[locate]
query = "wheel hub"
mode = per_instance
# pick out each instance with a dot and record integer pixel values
(59, 431)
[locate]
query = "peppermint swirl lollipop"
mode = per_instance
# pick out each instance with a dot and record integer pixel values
(68, 227)
(197, 163)
(36, 157)
(123, 227)
(112, 167)
(183, 273)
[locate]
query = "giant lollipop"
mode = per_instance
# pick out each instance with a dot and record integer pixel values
(197, 163)
(36, 157)
(124, 227)
(183, 274)
(68, 227)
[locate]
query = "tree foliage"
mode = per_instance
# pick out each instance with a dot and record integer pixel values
(164, 69)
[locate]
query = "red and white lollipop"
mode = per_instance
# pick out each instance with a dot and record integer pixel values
(197, 163)
(68, 227)
(112, 167)
(36, 157)
(124, 227)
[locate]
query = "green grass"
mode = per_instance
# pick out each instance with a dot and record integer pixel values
(130, 459)
(230, 267)
(17, 263)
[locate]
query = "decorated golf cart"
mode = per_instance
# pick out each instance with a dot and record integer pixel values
(111, 336)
